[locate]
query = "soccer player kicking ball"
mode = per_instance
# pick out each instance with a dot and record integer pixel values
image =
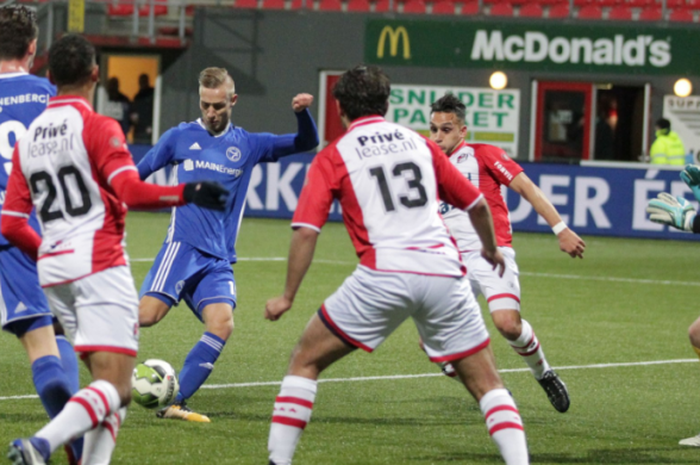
(489, 168)
(24, 310)
(194, 263)
(679, 213)
(387, 179)
(74, 168)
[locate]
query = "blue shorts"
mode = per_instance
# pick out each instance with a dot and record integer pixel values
(182, 272)
(23, 305)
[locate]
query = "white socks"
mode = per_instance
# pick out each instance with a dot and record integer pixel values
(85, 411)
(291, 414)
(528, 347)
(100, 442)
(505, 426)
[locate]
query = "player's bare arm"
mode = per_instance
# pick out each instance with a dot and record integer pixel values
(569, 241)
(301, 252)
(301, 102)
(480, 216)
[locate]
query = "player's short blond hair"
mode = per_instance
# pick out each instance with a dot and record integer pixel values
(212, 78)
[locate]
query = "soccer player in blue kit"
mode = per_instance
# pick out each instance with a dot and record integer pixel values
(194, 263)
(24, 310)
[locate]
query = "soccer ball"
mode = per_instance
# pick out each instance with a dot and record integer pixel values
(154, 384)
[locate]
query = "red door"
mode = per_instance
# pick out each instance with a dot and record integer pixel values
(563, 121)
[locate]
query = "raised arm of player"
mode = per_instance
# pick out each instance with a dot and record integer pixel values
(569, 241)
(109, 155)
(159, 156)
(306, 137)
(456, 190)
(15, 212)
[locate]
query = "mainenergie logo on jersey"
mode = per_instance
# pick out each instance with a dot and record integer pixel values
(190, 165)
(537, 47)
(383, 144)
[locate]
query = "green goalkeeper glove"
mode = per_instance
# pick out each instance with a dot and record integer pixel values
(674, 211)
(691, 176)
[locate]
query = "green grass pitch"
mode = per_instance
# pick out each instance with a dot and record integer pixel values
(628, 301)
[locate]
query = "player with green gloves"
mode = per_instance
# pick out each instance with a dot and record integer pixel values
(677, 211)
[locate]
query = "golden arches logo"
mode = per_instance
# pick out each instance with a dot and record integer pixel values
(394, 36)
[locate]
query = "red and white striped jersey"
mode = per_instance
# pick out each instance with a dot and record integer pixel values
(67, 160)
(488, 168)
(388, 179)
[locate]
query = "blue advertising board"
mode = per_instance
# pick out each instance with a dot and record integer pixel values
(607, 199)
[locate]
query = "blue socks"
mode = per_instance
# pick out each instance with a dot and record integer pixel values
(199, 364)
(51, 383)
(56, 381)
(69, 362)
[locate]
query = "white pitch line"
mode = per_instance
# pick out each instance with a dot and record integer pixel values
(524, 273)
(421, 375)
(430, 375)
(612, 279)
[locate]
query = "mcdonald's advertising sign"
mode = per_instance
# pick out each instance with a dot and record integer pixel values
(543, 47)
(391, 36)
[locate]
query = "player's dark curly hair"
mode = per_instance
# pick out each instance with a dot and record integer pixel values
(363, 91)
(18, 28)
(448, 103)
(71, 60)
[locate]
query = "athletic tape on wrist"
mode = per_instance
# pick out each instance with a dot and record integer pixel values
(559, 227)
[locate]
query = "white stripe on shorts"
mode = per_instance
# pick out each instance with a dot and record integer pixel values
(3, 309)
(164, 268)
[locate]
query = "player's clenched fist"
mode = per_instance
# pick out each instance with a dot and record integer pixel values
(276, 307)
(301, 102)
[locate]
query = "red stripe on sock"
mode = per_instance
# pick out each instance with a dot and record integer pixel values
(301, 424)
(101, 396)
(295, 400)
(109, 428)
(505, 425)
(86, 405)
(500, 408)
(533, 351)
(526, 345)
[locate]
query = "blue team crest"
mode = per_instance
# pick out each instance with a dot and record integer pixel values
(233, 154)
(178, 286)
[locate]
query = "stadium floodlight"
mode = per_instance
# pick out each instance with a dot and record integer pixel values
(683, 87)
(498, 80)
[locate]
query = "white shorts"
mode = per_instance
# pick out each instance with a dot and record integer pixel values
(100, 313)
(370, 305)
(501, 293)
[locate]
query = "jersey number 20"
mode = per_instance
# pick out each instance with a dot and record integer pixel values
(42, 182)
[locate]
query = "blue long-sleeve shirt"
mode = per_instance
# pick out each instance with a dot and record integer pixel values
(228, 159)
(23, 97)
